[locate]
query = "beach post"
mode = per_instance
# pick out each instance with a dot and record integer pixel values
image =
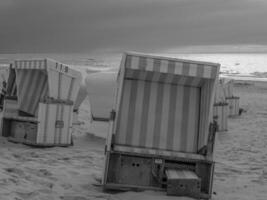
(39, 103)
(161, 134)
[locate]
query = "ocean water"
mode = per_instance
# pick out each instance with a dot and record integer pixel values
(230, 62)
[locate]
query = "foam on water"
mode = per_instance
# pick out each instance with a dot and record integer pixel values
(230, 62)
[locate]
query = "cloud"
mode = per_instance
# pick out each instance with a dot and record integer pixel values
(87, 25)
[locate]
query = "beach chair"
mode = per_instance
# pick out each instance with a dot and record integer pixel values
(220, 108)
(38, 106)
(161, 136)
(231, 99)
(4, 71)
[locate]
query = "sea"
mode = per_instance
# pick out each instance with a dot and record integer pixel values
(231, 63)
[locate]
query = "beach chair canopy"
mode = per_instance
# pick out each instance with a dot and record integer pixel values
(32, 81)
(163, 104)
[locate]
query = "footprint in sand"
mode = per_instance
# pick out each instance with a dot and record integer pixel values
(73, 198)
(66, 186)
(15, 171)
(27, 195)
(44, 172)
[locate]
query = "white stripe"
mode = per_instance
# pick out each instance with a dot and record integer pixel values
(149, 66)
(207, 71)
(193, 69)
(164, 66)
(135, 62)
(178, 68)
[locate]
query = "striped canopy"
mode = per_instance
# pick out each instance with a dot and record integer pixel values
(164, 103)
(33, 80)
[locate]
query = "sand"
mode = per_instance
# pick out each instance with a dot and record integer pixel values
(72, 173)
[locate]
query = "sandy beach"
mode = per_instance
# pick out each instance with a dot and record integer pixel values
(73, 173)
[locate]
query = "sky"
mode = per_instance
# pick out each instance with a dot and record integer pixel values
(79, 26)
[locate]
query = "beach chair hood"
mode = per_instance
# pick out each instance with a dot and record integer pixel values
(163, 104)
(33, 81)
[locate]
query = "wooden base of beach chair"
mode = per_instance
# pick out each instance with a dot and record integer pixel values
(145, 172)
(183, 183)
(24, 130)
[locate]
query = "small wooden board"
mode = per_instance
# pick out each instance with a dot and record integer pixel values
(183, 183)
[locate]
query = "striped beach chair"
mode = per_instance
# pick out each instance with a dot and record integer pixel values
(39, 103)
(231, 99)
(160, 127)
(220, 109)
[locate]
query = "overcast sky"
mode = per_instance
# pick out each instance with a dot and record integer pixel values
(44, 26)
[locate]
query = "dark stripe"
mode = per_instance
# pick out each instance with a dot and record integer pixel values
(45, 122)
(57, 118)
(69, 124)
(213, 72)
(131, 113)
(59, 85)
(144, 123)
(157, 126)
(43, 87)
(149, 76)
(200, 70)
(197, 106)
(176, 79)
(185, 120)
(162, 78)
(128, 61)
(186, 68)
(171, 118)
(171, 67)
(71, 88)
(61, 118)
(35, 91)
(142, 63)
(128, 73)
(24, 89)
(156, 65)
(136, 74)
(188, 81)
